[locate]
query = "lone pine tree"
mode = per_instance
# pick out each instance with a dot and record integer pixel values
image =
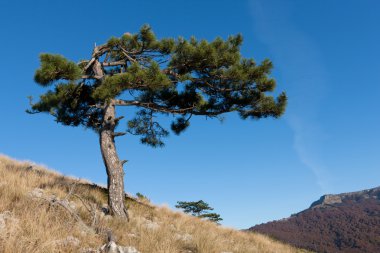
(199, 209)
(177, 77)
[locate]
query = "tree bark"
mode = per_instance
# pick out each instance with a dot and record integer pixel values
(114, 167)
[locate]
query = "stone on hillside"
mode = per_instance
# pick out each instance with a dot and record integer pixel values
(36, 193)
(41, 194)
(70, 204)
(7, 221)
(2, 223)
(112, 247)
(89, 250)
(151, 225)
(184, 237)
(130, 250)
(132, 235)
(68, 241)
(172, 227)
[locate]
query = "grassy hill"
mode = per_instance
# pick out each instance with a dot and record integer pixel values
(43, 211)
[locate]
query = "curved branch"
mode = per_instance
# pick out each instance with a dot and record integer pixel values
(117, 134)
(159, 108)
(114, 63)
(153, 106)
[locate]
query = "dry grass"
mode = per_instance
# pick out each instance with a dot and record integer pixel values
(32, 224)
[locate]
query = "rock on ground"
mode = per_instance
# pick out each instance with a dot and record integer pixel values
(68, 241)
(7, 221)
(112, 247)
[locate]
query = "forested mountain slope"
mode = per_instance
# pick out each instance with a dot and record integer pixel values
(348, 222)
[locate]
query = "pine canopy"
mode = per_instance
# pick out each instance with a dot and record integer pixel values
(199, 209)
(167, 76)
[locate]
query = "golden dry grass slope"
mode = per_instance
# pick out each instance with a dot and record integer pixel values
(43, 211)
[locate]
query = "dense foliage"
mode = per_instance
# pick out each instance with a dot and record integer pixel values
(158, 77)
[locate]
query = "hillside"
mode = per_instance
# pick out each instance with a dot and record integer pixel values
(347, 222)
(43, 211)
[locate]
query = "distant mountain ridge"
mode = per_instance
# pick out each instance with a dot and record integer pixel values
(346, 222)
(331, 199)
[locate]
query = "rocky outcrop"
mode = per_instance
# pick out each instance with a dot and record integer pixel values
(333, 199)
(326, 200)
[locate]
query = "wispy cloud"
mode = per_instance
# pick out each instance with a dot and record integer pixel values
(298, 60)
(307, 138)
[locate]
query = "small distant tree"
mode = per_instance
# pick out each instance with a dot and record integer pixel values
(199, 209)
(142, 197)
(211, 216)
(177, 77)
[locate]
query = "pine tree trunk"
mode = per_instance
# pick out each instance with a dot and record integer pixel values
(114, 167)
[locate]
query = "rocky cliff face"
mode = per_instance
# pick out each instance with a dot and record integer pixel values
(347, 222)
(333, 199)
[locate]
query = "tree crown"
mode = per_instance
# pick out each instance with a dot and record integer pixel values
(199, 209)
(195, 208)
(157, 76)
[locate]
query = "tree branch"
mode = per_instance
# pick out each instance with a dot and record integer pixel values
(91, 77)
(127, 55)
(115, 63)
(159, 108)
(89, 64)
(99, 106)
(117, 134)
(153, 106)
(119, 118)
(100, 50)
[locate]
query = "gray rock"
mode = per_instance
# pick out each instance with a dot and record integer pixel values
(130, 250)
(68, 241)
(151, 225)
(335, 199)
(36, 193)
(89, 250)
(132, 235)
(112, 247)
(184, 237)
(70, 204)
(7, 221)
(328, 199)
(3, 224)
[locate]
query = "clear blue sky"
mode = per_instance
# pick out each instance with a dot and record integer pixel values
(326, 57)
